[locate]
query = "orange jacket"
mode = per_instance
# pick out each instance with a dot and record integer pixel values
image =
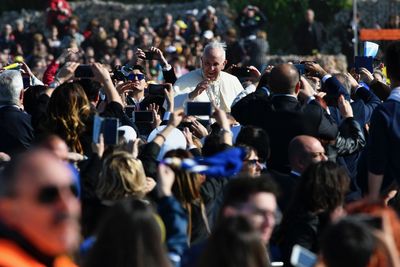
(12, 255)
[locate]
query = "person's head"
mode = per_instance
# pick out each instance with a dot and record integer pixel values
(257, 138)
(322, 187)
(121, 176)
(11, 88)
(342, 78)
(387, 218)
(284, 79)
(186, 187)
(251, 163)
(68, 111)
(137, 76)
(234, 243)
(347, 243)
(57, 146)
(392, 62)
(213, 60)
(130, 234)
(309, 16)
(38, 199)
(31, 95)
(92, 89)
(255, 199)
(305, 150)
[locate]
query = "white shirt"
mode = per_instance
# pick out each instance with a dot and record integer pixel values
(228, 85)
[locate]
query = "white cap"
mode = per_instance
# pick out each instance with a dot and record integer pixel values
(174, 140)
(129, 133)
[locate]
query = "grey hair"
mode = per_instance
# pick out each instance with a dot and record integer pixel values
(11, 86)
(215, 45)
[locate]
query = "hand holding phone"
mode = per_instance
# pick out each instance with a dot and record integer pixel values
(143, 116)
(157, 89)
(84, 71)
(198, 109)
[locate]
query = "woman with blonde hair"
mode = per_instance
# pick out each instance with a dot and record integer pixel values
(122, 176)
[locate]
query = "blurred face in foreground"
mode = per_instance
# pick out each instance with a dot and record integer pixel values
(44, 207)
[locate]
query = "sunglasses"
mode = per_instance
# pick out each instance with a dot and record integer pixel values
(138, 76)
(51, 194)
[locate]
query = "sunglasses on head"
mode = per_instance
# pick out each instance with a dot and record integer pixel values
(138, 76)
(51, 194)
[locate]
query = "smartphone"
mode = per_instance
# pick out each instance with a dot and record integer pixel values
(302, 257)
(156, 89)
(241, 72)
(26, 81)
(150, 55)
(301, 68)
(364, 62)
(110, 131)
(84, 71)
(184, 124)
(108, 127)
(371, 221)
(198, 109)
(142, 116)
(129, 111)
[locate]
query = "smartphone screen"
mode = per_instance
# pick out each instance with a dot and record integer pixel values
(241, 72)
(142, 116)
(84, 71)
(149, 55)
(129, 111)
(110, 131)
(198, 108)
(156, 89)
(301, 68)
(302, 257)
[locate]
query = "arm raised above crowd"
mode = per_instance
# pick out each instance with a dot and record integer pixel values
(102, 75)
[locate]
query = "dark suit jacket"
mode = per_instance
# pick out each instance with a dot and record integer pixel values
(283, 117)
(16, 132)
(308, 40)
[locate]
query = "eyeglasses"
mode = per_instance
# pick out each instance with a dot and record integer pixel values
(252, 162)
(138, 76)
(50, 194)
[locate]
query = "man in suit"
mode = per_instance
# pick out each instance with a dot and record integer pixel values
(384, 141)
(284, 117)
(303, 151)
(310, 35)
(16, 132)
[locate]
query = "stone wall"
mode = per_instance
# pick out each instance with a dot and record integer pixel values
(105, 11)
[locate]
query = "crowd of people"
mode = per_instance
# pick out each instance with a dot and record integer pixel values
(168, 147)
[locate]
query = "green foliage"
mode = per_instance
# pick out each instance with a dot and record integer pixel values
(284, 16)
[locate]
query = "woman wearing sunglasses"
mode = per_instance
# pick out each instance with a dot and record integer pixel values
(251, 163)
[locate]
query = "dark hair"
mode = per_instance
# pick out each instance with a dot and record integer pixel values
(68, 112)
(347, 243)
(234, 243)
(91, 88)
(392, 61)
(257, 138)
(322, 187)
(239, 190)
(31, 96)
(129, 235)
(186, 189)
